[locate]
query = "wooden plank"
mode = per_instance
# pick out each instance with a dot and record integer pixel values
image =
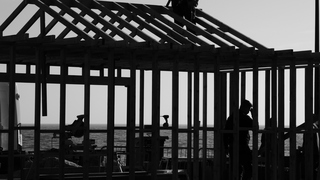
(232, 31)
(255, 115)
(86, 137)
(317, 109)
(174, 26)
(211, 29)
(132, 118)
(175, 117)
(222, 101)
(204, 124)
(12, 110)
(70, 79)
(62, 20)
(111, 112)
(189, 121)
(52, 23)
(274, 118)
(95, 16)
(44, 98)
(148, 19)
(129, 26)
(12, 16)
(243, 85)
(293, 118)
(308, 140)
(65, 32)
(218, 150)
(196, 29)
(196, 120)
(31, 21)
(141, 112)
(62, 115)
(234, 99)
(155, 116)
(83, 20)
(37, 120)
(268, 170)
(281, 117)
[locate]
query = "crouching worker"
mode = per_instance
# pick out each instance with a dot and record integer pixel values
(76, 129)
(185, 9)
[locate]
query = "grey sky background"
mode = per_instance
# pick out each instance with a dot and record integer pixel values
(278, 24)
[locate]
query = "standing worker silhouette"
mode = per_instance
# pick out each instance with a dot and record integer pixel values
(184, 8)
(245, 153)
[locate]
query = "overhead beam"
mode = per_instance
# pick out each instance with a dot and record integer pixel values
(14, 14)
(55, 79)
(61, 19)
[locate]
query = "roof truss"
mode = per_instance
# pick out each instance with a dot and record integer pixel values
(112, 22)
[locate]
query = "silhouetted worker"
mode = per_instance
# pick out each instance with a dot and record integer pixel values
(186, 9)
(315, 149)
(76, 128)
(245, 153)
(166, 124)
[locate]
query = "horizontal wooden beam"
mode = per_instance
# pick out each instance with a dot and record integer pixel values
(70, 79)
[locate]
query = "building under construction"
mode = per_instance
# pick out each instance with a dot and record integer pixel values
(104, 39)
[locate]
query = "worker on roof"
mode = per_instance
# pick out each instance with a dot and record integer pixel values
(185, 9)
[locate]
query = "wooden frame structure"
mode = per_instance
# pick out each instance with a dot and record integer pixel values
(100, 35)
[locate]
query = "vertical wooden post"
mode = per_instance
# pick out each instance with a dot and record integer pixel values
(111, 113)
(44, 72)
(293, 117)
(308, 140)
(132, 110)
(37, 113)
(86, 77)
(222, 116)
(189, 119)
(316, 36)
(155, 116)
(234, 98)
(255, 116)
(268, 170)
(243, 85)
(141, 114)
(204, 125)
(274, 119)
(175, 117)
(62, 122)
(196, 122)
(12, 105)
(281, 110)
(218, 136)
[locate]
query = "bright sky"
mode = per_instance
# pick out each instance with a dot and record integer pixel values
(285, 24)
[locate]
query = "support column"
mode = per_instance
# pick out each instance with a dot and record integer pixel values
(218, 127)
(155, 116)
(62, 122)
(86, 76)
(111, 113)
(37, 122)
(196, 121)
(204, 124)
(12, 107)
(255, 116)
(293, 119)
(132, 118)
(175, 117)
(189, 119)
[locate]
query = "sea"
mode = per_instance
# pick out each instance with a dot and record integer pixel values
(49, 141)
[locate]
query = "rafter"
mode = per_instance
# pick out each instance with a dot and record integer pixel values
(50, 11)
(129, 23)
(121, 21)
(82, 20)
